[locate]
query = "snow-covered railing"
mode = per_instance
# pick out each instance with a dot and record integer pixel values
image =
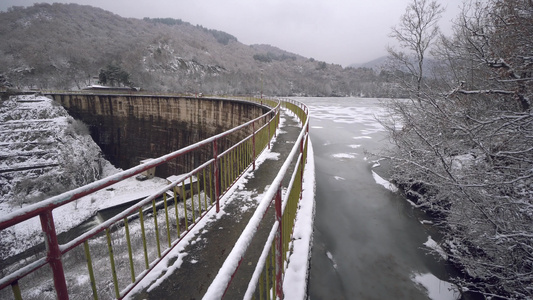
(214, 178)
(267, 279)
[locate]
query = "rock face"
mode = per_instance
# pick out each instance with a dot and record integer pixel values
(43, 151)
(131, 128)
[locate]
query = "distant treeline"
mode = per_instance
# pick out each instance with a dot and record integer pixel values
(221, 36)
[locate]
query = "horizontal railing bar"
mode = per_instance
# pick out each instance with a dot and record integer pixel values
(20, 273)
(48, 205)
(291, 183)
(268, 244)
(261, 262)
(243, 140)
(217, 289)
(163, 255)
(34, 210)
(129, 211)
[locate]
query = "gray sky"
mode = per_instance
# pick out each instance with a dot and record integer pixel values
(335, 31)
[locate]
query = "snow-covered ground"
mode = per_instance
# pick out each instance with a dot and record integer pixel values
(44, 152)
(26, 234)
(297, 272)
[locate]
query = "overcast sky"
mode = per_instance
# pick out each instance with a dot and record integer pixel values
(335, 31)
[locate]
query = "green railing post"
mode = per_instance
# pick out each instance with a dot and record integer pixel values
(198, 190)
(143, 235)
(16, 290)
(253, 145)
(112, 261)
(185, 205)
(192, 200)
(176, 209)
(156, 229)
(166, 218)
(279, 246)
(130, 253)
(205, 189)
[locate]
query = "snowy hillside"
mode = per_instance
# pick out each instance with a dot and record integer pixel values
(158, 54)
(43, 151)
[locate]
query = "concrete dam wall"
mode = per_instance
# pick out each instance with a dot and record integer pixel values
(131, 128)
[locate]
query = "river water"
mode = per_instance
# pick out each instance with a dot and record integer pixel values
(368, 240)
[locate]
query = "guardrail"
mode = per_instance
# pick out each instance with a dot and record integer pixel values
(213, 179)
(266, 281)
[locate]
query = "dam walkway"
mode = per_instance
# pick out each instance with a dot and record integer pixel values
(223, 229)
(200, 260)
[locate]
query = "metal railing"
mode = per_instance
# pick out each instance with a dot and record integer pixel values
(139, 231)
(266, 281)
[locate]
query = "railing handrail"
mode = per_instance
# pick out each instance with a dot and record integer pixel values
(36, 209)
(226, 273)
(259, 137)
(44, 209)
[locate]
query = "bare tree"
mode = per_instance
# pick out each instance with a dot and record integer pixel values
(415, 33)
(465, 153)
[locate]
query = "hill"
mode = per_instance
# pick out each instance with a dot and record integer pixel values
(375, 64)
(66, 46)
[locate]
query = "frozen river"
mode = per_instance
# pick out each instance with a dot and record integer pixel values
(369, 243)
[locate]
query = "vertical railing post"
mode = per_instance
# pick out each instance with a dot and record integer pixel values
(253, 145)
(302, 163)
(54, 254)
(215, 170)
(268, 140)
(279, 245)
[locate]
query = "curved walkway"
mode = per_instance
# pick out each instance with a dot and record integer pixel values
(191, 267)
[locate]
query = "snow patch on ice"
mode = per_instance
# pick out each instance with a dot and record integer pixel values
(432, 244)
(330, 256)
(436, 289)
(379, 180)
(339, 178)
(344, 155)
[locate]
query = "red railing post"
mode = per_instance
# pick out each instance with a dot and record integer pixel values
(215, 171)
(54, 254)
(279, 246)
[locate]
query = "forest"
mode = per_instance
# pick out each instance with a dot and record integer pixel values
(463, 141)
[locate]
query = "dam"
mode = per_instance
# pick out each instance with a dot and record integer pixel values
(220, 143)
(132, 128)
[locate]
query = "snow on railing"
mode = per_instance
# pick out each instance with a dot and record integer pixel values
(267, 279)
(213, 178)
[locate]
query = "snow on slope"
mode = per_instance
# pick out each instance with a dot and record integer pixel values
(43, 152)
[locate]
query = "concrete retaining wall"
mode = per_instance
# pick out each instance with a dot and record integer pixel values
(130, 128)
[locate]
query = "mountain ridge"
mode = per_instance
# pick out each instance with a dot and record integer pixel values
(65, 46)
